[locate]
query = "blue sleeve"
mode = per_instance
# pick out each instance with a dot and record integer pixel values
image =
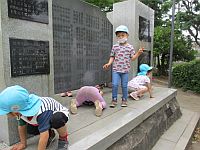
(44, 121)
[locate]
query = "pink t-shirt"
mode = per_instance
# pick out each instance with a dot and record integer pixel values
(122, 55)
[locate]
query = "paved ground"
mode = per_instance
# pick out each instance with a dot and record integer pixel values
(187, 100)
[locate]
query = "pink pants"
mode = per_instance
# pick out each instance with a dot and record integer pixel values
(89, 93)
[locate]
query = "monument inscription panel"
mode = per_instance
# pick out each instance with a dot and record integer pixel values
(29, 57)
(144, 58)
(82, 43)
(32, 10)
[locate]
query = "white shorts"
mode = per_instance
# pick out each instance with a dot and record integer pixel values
(136, 88)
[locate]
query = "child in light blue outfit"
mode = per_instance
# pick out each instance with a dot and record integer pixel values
(121, 56)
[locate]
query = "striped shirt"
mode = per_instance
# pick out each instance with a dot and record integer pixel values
(49, 103)
(48, 108)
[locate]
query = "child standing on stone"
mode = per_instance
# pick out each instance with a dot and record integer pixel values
(141, 83)
(121, 56)
(42, 113)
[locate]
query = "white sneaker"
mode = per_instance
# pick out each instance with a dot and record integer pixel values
(73, 107)
(98, 110)
(134, 96)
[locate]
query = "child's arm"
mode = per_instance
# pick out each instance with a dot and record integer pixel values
(44, 136)
(22, 136)
(139, 52)
(106, 66)
(149, 90)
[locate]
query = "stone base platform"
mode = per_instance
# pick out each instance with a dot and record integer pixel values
(136, 127)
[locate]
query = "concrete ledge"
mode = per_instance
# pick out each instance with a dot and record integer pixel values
(179, 134)
(90, 132)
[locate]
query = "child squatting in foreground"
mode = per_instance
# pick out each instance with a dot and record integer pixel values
(121, 56)
(43, 113)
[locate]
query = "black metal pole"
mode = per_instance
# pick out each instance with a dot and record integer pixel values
(171, 47)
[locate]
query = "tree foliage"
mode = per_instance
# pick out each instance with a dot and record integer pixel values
(189, 18)
(186, 76)
(160, 7)
(182, 50)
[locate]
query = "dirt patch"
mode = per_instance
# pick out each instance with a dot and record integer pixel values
(196, 137)
(195, 145)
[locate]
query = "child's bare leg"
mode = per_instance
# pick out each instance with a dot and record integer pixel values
(140, 92)
(62, 131)
(73, 106)
(98, 110)
(58, 122)
(63, 137)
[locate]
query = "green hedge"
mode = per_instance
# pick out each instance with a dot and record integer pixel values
(187, 76)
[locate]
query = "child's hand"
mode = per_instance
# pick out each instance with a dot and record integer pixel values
(19, 146)
(106, 66)
(141, 50)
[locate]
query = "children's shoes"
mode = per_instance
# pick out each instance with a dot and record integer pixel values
(113, 104)
(62, 145)
(134, 96)
(124, 104)
(98, 110)
(73, 107)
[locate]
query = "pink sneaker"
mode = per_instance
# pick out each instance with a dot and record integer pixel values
(68, 93)
(134, 96)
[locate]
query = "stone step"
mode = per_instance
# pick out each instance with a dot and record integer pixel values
(178, 136)
(185, 138)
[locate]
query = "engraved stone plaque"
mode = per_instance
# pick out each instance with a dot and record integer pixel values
(82, 40)
(29, 57)
(144, 29)
(144, 58)
(32, 10)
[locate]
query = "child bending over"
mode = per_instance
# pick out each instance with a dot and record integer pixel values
(141, 83)
(42, 113)
(92, 94)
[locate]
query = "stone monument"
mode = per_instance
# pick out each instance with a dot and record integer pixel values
(51, 46)
(25, 52)
(82, 40)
